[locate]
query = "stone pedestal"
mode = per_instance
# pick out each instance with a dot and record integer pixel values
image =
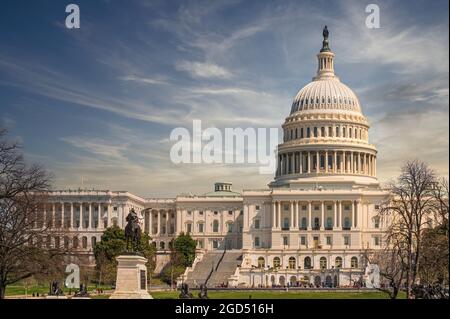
(55, 297)
(131, 282)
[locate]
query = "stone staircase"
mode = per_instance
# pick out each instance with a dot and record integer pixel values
(226, 268)
(222, 268)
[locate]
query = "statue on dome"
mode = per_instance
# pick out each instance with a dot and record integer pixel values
(325, 47)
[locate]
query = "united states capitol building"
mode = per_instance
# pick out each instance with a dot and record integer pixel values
(313, 224)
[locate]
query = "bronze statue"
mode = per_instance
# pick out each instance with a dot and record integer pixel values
(325, 47)
(132, 232)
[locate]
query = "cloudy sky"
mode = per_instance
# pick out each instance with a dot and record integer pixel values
(98, 103)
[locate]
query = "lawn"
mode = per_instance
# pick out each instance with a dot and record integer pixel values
(279, 295)
(15, 290)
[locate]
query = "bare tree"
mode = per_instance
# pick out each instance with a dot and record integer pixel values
(406, 214)
(22, 193)
(440, 204)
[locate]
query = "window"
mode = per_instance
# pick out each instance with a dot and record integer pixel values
(308, 132)
(303, 207)
(162, 245)
(256, 223)
(189, 212)
(216, 212)
(376, 241)
(291, 263)
(286, 207)
(215, 226)
(230, 212)
(337, 131)
(75, 242)
(286, 223)
(328, 240)
(376, 222)
(329, 223)
(316, 241)
(200, 212)
(261, 262)
(346, 240)
(304, 225)
(323, 263)
(200, 243)
(377, 206)
(285, 240)
(276, 262)
(354, 262)
(338, 262)
(215, 243)
(316, 223)
(346, 223)
(307, 263)
(93, 241)
(315, 132)
(257, 207)
(230, 227)
(200, 227)
(189, 228)
(303, 240)
(316, 207)
(256, 241)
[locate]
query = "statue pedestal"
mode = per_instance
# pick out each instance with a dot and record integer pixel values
(131, 282)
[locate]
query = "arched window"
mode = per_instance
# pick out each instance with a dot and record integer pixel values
(66, 242)
(316, 223)
(75, 242)
(304, 225)
(344, 133)
(93, 241)
(337, 131)
(307, 263)
(291, 263)
(338, 262)
(230, 227)
(323, 263)
(261, 262)
(322, 131)
(276, 262)
(308, 132)
(301, 132)
(346, 222)
(84, 242)
(215, 226)
(315, 132)
(162, 245)
(354, 262)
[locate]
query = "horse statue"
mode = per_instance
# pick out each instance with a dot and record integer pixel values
(132, 232)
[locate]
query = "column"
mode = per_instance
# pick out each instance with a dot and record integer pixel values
(291, 223)
(178, 222)
(158, 225)
(108, 215)
(53, 215)
(317, 162)
(292, 163)
(353, 210)
(326, 161)
(309, 216)
(80, 217)
(359, 163)
(340, 215)
(374, 165)
(343, 166)
(274, 215)
(300, 162)
(279, 215)
(63, 219)
(351, 163)
(71, 216)
(335, 215)
(100, 216)
(335, 162)
(322, 215)
(309, 162)
(90, 216)
(297, 217)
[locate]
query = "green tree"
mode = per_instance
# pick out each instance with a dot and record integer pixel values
(184, 246)
(111, 245)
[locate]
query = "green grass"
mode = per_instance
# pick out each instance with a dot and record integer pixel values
(279, 295)
(15, 290)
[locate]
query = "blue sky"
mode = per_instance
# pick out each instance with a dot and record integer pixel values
(100, 102)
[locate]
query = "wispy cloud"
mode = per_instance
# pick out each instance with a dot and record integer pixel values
(203, 70)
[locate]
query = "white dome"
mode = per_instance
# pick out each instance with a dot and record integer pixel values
(325, 94)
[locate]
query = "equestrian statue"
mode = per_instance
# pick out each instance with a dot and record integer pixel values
(132, 232)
